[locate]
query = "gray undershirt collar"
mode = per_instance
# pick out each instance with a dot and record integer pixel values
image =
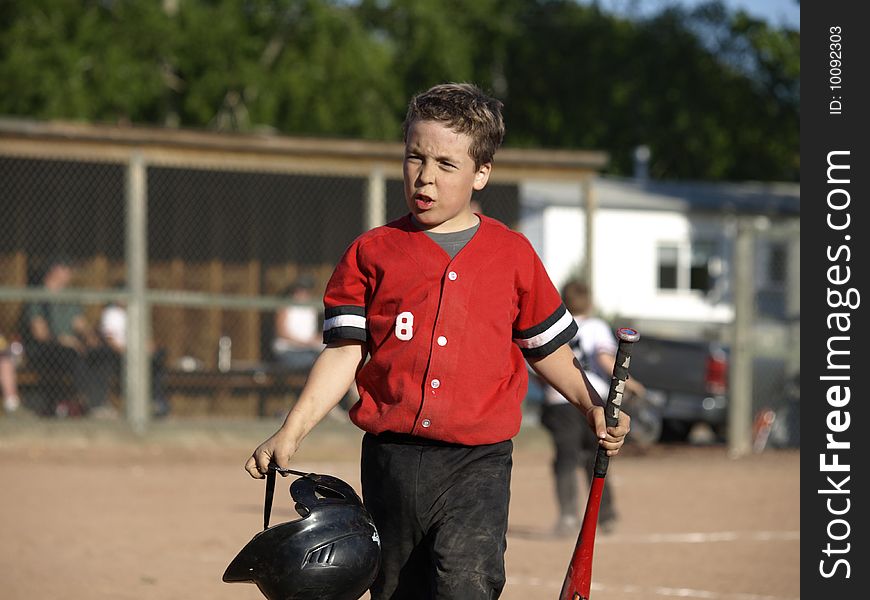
(455, 241)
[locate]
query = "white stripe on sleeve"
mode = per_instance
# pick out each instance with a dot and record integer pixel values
(345, 321)
(547, 335)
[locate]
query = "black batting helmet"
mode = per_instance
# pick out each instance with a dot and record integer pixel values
(331, 552)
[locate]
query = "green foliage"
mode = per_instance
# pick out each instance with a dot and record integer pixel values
(81, 60)
(603, 82)
(714, 94)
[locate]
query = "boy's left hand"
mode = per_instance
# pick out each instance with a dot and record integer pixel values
(609, 438)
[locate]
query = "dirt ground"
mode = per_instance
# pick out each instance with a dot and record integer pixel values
(89, 512)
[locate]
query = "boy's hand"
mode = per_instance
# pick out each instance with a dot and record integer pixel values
(329, 379)
(276, 450)
(609, 438)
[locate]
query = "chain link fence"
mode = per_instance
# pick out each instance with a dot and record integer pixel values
(190, 281)
(218, 234)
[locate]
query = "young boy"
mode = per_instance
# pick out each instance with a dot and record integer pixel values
(447, 305)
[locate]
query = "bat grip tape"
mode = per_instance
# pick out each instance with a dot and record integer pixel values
(614, 401)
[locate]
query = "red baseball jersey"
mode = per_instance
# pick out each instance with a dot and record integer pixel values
(446, 338)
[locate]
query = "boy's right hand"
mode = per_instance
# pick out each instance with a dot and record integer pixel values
(276, 450)
(329, 379)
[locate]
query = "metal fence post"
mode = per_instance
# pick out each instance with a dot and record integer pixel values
(590, 200)
(137, 389)
(793, 299)
(740, 368)
(376, 199)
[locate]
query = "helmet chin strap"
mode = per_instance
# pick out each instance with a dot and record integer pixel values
(270, 490)
(270, 494)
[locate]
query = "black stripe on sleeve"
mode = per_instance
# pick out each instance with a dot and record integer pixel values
(348, 309)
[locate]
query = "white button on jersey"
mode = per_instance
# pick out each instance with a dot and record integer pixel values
(442, 341)
(452, 276)
(426, 423)
(435, 383)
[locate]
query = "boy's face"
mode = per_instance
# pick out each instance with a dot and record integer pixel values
(439, 177)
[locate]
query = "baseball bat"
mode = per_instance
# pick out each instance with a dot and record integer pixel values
(578, 579)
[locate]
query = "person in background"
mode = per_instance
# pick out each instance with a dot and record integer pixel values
(298, 338)
(594, 346)
(8, 378)
(60, 342)
(113, 328)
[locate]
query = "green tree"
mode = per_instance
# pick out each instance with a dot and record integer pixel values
(714, 94)
(296, 66)
(433, 41)
(82, 60)
(605, 82)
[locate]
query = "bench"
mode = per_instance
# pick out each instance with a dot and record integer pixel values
(262, 380)
(32, 392)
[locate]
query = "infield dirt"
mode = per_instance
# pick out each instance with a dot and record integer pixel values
(88, 511)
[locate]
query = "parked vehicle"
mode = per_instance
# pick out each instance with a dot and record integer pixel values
(686, 382)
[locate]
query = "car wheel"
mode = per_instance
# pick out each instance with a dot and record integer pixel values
(675, 431)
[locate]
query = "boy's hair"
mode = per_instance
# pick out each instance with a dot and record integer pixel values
(575, 294)
(464, 108)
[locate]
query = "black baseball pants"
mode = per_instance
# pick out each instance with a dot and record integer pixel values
(442, 512)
